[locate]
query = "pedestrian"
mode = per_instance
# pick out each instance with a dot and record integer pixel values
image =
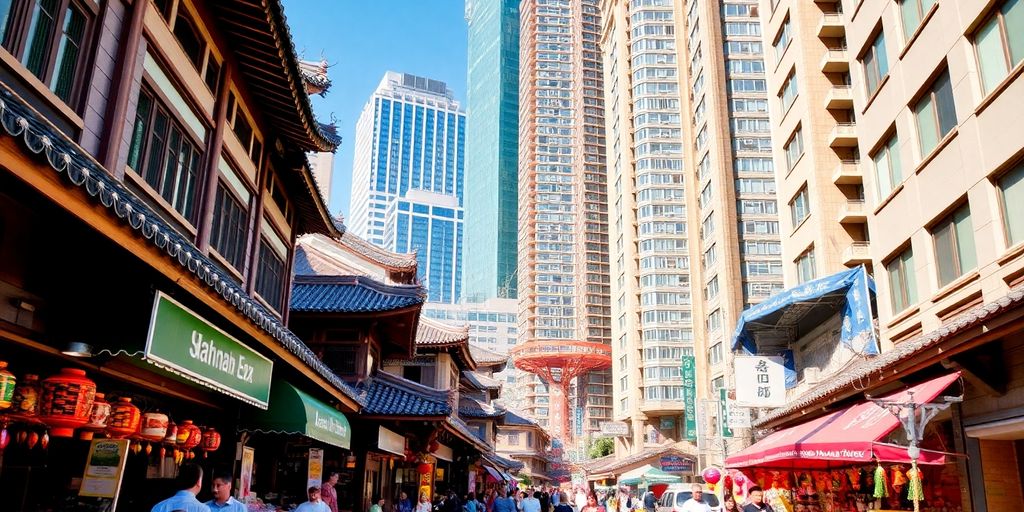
(424, 504)
(451, 503)
(581, 499)
(696, 502)
(755, 496)
(729, 504)
(545, 500)
(592, 505)
(328, 493)
(221, 488)
(650, 501)
(378, 504)
(314, 503)
(626, 501)
(189, 482)
(556, 497)
(563, 504)
(471, 504)
(532, 503)
(404, 503)
(504, 503)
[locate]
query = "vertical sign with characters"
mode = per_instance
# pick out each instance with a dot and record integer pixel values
(690, 398)
(760, 381)
(315, 473)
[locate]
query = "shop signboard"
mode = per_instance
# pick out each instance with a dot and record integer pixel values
(245, 478)
(614, 428)
(390, 441)
(723, 412)
(104, 468)
(183, 342)
(739, 417)
(689, 398)
(427, 481)
(667, 422)
(760, 381)
(315, 468)
(676, 464)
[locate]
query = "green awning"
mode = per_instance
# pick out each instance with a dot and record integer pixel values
(293, 412)
(647, 475)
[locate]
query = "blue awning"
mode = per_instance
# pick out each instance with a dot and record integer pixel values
(792, 313)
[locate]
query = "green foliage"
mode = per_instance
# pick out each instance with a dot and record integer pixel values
(601, 447)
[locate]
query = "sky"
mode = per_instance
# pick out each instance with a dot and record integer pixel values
(361, 39)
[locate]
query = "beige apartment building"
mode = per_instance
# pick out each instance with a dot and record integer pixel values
(563, 219)
(694, 220)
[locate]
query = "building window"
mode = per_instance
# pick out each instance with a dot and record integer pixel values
(999, 43)
(189, 39)
(48, 36)
(799, 207)
(227, 235)
(913, 12)
(789, 91)
(935, 113)
(716, 354)
(212, 75)
(875, 62)
(513, 438)
(164, 155)
(782, 40)
(1011, 189)
(888, 174)
(794, 148)
(954, 245)
(902, 286)
(270, 276)
(805, 270)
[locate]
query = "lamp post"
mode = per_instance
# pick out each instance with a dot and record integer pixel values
(915, 418)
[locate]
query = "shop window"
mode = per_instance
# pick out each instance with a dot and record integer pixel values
(270, 276)
(999, 43)
(48, 37)
(189, 39)
(954, 245)
(228, 233)
(164, 155)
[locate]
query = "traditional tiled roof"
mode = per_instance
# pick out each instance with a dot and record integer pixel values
(503, 462)
(436, 333)
(485, 357)
(481, 381)
(609, 464)
(862, 373)
(516, 419)
(69, 160)
(314, 74)
(392, 260)
(389, 395)
(351, 294)
(470, 408)
(459, 427)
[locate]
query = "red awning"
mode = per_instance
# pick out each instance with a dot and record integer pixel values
(848, 436)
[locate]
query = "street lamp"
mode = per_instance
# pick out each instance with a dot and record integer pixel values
(914, 424)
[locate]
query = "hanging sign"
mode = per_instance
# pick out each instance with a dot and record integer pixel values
(245, 484)
(738, 417)
(183, 342)
(689, 398)
(723, 412)
(676, 464)
(760, 381)
(315, 470)
(427, 480)
(614, 428)
(104, 468)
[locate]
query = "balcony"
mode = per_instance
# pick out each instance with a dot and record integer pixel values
(840, 97)
(856, 254)
(847, 172)
(853, 212)
(831, 25)
(844, 135)
(835, 61)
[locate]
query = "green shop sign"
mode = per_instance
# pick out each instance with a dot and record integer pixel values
(185, 343)
(689, 398)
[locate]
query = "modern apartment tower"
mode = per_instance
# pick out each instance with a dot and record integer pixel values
(492, 150)
(407, 177)
(694, 227)
(563, 220)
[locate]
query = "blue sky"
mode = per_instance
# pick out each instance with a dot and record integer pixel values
(364, 38)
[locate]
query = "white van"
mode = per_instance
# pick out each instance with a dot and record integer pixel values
(676, 494)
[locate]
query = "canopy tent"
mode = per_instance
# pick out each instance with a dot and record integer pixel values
(647, 474)
(493, 475)
(292, 411)
(848, 436)
(794, 312)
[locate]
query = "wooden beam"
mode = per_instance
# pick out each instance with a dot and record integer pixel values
(40, 176)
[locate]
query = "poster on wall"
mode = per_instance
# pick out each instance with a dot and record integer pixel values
(245, 483)
(104, 469)
(760, 381)
(315, 474)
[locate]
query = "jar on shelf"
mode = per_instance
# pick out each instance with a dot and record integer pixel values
(98, 418)
(66, 400)
(7, 381)
(26, 397)
(154, 426)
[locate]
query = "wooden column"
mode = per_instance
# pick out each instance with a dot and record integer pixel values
(208, 192)
(124, 71)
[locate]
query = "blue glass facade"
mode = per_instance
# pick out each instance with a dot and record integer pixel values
(493, 153)
(435, 234)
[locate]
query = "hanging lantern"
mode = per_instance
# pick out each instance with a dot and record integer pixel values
(154, 426)
(5, 438)
(124, 419)
(739, 478)
(189, 435)
(172, 434)
(26, 397)
(210, 441)
(711, 475)
(7, 381)
(149, 449)
(45, 440)
(66, 401)
(424, 468)
(22, 436)
(33, 439)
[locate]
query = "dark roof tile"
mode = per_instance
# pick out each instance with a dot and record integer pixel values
(351, 294)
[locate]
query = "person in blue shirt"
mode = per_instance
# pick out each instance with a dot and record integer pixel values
(222, 500)
(503, 503)
(190, 480)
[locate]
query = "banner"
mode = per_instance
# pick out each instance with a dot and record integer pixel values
(315, 473)
(690, 398)
(760, 381)
(723, 412)
(104, 468)
(245, 483)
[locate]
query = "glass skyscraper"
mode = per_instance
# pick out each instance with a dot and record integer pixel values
(407, 177)
(492, 155)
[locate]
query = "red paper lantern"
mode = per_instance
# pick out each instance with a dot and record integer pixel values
(66, 402)
(711, 475)
(211, 440)
(124, 419)
(189, 435)
(424, 468)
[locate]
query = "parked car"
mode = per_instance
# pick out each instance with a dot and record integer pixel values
(676, 494)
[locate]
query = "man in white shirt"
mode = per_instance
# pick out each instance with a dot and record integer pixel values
(696, 502)
(315, 504)
(531, 503)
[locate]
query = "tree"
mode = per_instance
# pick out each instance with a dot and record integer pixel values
(601, 447)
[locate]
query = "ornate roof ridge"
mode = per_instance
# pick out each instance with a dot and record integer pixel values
(434, 332)
(402, 290)
(486, 356)
(393, 260)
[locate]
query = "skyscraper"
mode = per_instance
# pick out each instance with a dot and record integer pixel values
(694, 222)
(492, 149)
(563, 212)
(410, 141)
